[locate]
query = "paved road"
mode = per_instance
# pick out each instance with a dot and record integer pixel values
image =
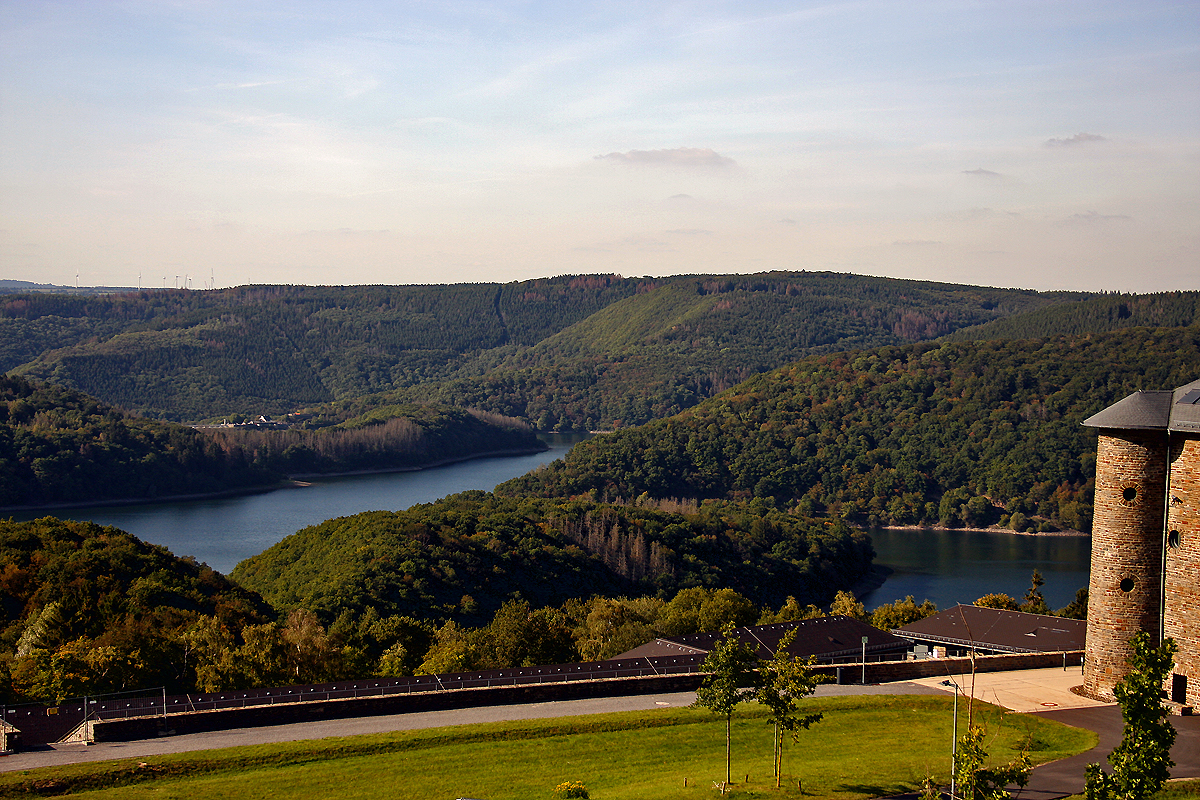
(1065, 777)
(72, 753)
(1026, 691)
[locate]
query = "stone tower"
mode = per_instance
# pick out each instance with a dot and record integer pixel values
(1146, 537)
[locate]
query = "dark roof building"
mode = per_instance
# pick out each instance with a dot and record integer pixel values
(993, 630)
(830, 639)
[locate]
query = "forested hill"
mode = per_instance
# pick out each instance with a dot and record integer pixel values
(963, 433)
(89, 609)
(461, 557)
(641, 349)
(60, 446)
(1094, 315)
(192, 355)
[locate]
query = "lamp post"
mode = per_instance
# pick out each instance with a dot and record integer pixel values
(954, 745)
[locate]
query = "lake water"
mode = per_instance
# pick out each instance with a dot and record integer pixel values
(950, 567)
(946, 567)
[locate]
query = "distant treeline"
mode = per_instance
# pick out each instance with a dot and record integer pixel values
(62, 446)
(954, 434)
(577, 352)
(389, 437)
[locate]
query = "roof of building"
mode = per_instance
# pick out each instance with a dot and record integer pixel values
(1177, 411)
(997, 629)
(823, 637)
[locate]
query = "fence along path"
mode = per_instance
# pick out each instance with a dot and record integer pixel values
(40, 724)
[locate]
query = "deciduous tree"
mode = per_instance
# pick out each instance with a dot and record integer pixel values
(1142, 761)
(730, 679)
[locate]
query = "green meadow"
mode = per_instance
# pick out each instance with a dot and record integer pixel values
(865, 747)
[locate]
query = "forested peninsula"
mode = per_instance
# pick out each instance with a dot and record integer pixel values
(61, 447)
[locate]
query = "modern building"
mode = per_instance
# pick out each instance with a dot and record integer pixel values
(831, 639)
(960, 630)
(1146, 537)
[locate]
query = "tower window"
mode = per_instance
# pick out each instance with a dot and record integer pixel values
(1129, 494)
(1173, 540)
(1127, 585)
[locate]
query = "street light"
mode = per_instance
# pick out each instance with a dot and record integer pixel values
(954, 746)
(864, 675)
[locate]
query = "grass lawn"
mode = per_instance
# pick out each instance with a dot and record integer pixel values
(865, 747)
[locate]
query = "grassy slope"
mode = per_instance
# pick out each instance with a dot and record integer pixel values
(629, 755)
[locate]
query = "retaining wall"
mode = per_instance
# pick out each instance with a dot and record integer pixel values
(121, 730)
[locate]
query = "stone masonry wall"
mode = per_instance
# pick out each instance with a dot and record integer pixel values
(1127, 544)
(1182, 619)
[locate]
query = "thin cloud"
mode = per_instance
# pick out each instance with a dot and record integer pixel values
(1092, 218)
(702, 157)
(915, 243)
(691, 232)
(1077, 139)
(983, 173)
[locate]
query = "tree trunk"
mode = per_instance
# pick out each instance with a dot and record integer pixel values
(728, 726)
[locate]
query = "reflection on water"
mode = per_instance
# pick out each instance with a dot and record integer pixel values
(950, 567)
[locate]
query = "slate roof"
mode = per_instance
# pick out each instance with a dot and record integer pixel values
(997, 630)
(826, 638)
(1176, 411)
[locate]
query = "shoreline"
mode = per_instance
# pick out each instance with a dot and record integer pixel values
(291, 482)
(994, 529)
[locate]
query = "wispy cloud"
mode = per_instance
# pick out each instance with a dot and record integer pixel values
(1092, 218)
(915, 243)
(1077, 139)
(702, 157)
(983, 173)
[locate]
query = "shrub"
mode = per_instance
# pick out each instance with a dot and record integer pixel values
(571, 789)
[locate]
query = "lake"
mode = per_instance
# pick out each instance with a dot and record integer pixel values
(946, 567)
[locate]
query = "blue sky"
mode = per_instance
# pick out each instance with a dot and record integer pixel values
(1049, 145)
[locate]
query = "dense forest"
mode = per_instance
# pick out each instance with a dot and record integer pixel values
(89, 609)
(60, 446)
(387, 437)
(953, 433)
(569, 352)
(461, 557)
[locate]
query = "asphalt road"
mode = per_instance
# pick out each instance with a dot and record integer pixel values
(56, 755)
(1048, 781)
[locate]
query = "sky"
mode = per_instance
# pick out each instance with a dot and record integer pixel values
(1044, 144)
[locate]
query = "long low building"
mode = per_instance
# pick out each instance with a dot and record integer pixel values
(830, 639)
(959, 630)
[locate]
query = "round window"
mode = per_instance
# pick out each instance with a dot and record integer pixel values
(1127, 585)
(1129, 496)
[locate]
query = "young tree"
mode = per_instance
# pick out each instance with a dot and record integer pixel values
(1142, 761)
(1035, 603)
(730, 680)
(976, 782)
(783, 680)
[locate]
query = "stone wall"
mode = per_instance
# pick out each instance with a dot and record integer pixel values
(122, 730)
(1181, 621)
(1125, 590)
